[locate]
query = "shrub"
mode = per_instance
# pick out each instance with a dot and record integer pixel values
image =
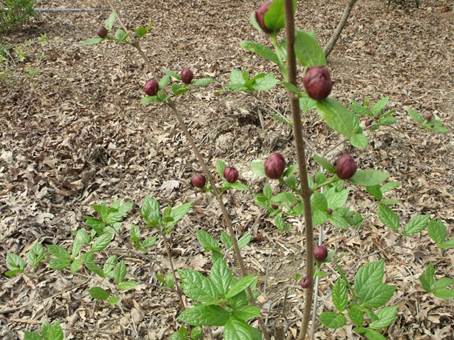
(14, 13)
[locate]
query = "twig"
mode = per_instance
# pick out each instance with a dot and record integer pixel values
(172, 268)
(217, 194)
(300, 150)
(315, 304)
(340, 26)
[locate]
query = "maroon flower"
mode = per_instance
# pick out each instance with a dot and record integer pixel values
(231, 174)
(275, 165)
(102, 32)
(345, 166)
(151, 87)
(428, 117)
(320, 253)
(198, 180)
(317, 82)
(186, 75)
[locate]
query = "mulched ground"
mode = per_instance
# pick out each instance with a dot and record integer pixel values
(75, 134)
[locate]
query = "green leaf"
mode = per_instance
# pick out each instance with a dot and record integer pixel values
(220, 167)
(237, 82)
(141, 31)
(91, 265)
(76, 265)
(388, 217)
(447, 245)
(265, 82)
(375, 191)
(202, 82)
(197, 287)
(427, 278)
(80, 240)
(52, 331)
(337, 117)
(236, 186)
(332, 320)
(359, 140)
(260, 50)
(389, 186)
(239, 330)
(373, 335)
(443, 293)
(225, 238)
(207, 241)
(318, 201)
(241, 285)
(121, 36)
(127, 285)
(180, 211)
(336, 199)
(98, 293)
(91, 41)
(110, 20)
(178, 89)
(324, 163)
(150, 211)
(258, 168)
(247, 313)
(15, 262)
(369, 177)
(306, 103)
(244, 240)
(308, 50)
(416, 224)
(61, 258)
(386, 317)
(376, 296)
(356, 314)
(437, 231)
(340, 294)
(147, 100)
(113, 300)
(221, 277)
(32, 336)
(109, 266)
(119, 273)
(443, 283)
(204, 315)
(101, 242)
(379, 106)
(369, 275)
(95, 224)
(181, 334)
(36, 255)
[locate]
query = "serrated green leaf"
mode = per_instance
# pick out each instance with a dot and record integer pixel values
(372, 334)
(80, 240)
(356, 314)
(101, 242)
(324, 163)
(113, 300)
(119, 272)
(369, 275)
(32, 336)
(359, 140)
(332, 320)
(225, 238)
(386, 317)
(447, 245)
(110, 20)
(202, 82)
(369, 177)
(151, 211)
(98, 293)
(340, 294)
(204, 315)
(236, 329)
(265, 82)
(141, 31)
(337, 117)
(52, 331)
(247, 313)
(427, 278)
(180, 211)
(443, 283)
(178, 89)
(336, 199)
(443, 293)
(220, 167)
(221, 277)
(109, 266)
(376, 295)
(181, 334)
(241, 285)
(76, 265)
(120, 35)
(207, 241)
(91, 41)
(260, 50)
(61, 258)
(416, 224)
(146, 100)
(36, 255)
(197, 287)
(308, 50)
(437, 231)
(318, 201)
(91, 265)
(127, 285)
(244, 240)
(388, 217)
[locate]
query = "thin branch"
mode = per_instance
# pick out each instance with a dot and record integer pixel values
(340, 26)
(217, 194)
(172, 268)
(300, 151)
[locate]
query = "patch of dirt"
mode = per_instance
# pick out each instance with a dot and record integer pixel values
(75, 133)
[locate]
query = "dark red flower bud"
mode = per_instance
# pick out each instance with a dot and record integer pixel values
(320, 253)
(198, 180)
(428, 117)
(151, 87)
(102, 32)
(231, 174)
(329, 211)
(345, 166)
(306, 282)
(274, 206)
(260, 16)
(186, 75)
(367, 122)
(275, 165)
(317, 82)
